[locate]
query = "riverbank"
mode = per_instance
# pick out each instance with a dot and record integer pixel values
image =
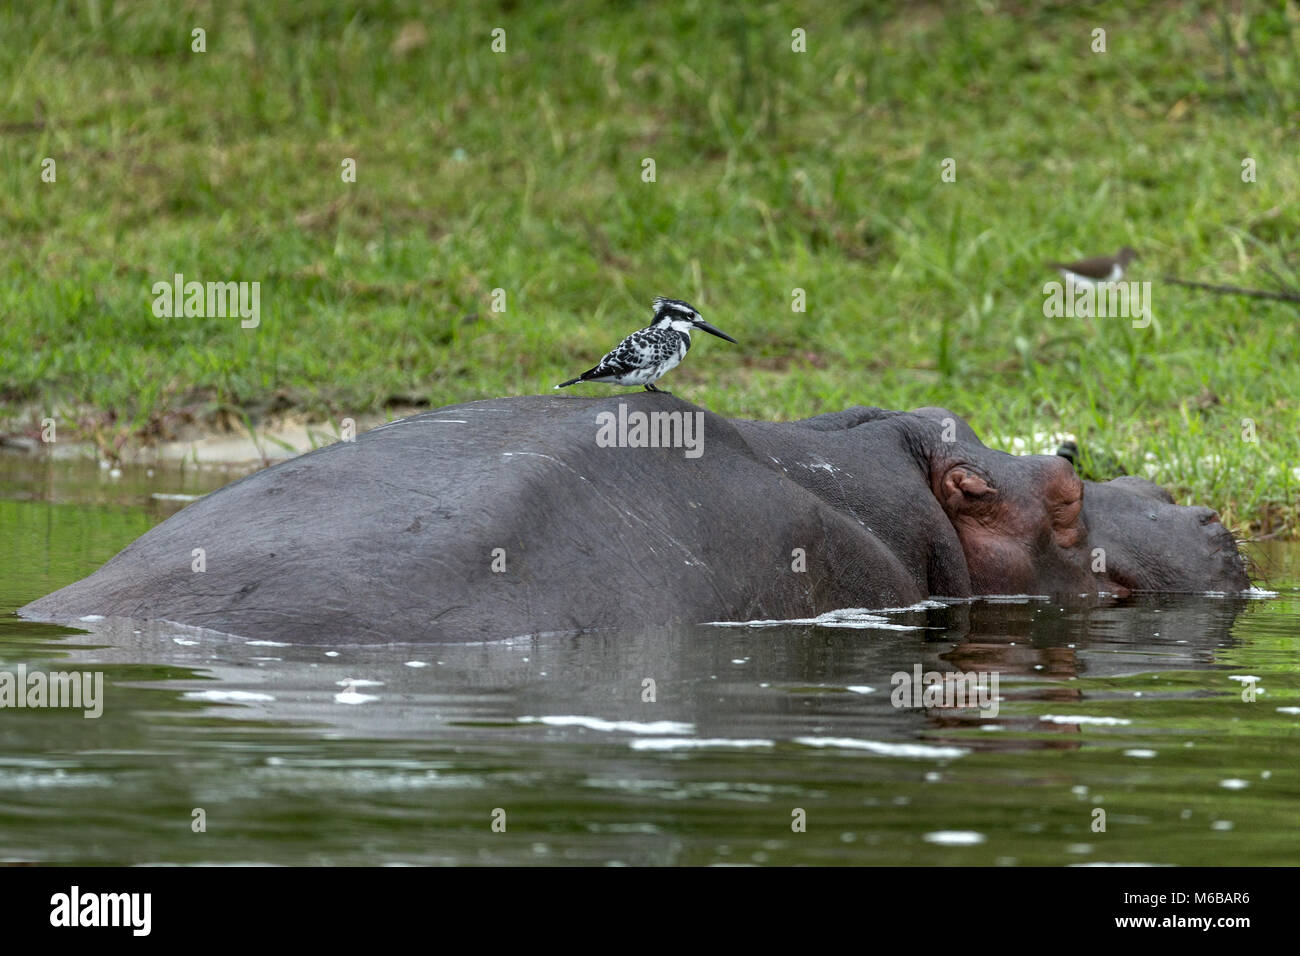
(501, 231)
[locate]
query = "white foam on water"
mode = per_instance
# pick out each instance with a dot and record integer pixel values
(41, 779)
(227, 696)
(608, 726)
(692, 743)
(954, 837)
(352, 697)
(849, 617)
(883, 748)
(1083, 719)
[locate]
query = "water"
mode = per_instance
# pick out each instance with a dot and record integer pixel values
(407, 754)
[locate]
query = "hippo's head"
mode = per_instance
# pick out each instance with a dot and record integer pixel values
(1029, 524)
(1151, 544)
(1019, 520)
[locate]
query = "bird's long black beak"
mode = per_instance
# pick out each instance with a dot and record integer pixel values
(701, 324)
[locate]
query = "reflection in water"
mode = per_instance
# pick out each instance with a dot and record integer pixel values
(695, 745)
(704, 739)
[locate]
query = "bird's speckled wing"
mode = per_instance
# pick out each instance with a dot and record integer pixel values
(642, 349)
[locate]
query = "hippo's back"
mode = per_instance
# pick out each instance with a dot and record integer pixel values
(482, 521)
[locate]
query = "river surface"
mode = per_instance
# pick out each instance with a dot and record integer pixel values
(1154, 730)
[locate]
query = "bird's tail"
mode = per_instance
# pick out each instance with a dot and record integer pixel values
(572, 381)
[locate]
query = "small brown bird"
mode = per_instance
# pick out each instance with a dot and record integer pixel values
(1088, 272)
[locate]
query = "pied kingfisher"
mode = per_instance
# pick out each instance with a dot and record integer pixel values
(646, 354)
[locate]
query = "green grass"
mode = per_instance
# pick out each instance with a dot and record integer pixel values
(775, 171)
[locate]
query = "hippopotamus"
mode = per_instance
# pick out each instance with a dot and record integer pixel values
(529, 515)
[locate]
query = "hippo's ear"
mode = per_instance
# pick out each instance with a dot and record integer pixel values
(959, 488)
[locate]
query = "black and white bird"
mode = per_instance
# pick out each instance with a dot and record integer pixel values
(645, 355)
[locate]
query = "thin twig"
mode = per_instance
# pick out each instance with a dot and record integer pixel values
(1237, 290)
(1278, 281)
